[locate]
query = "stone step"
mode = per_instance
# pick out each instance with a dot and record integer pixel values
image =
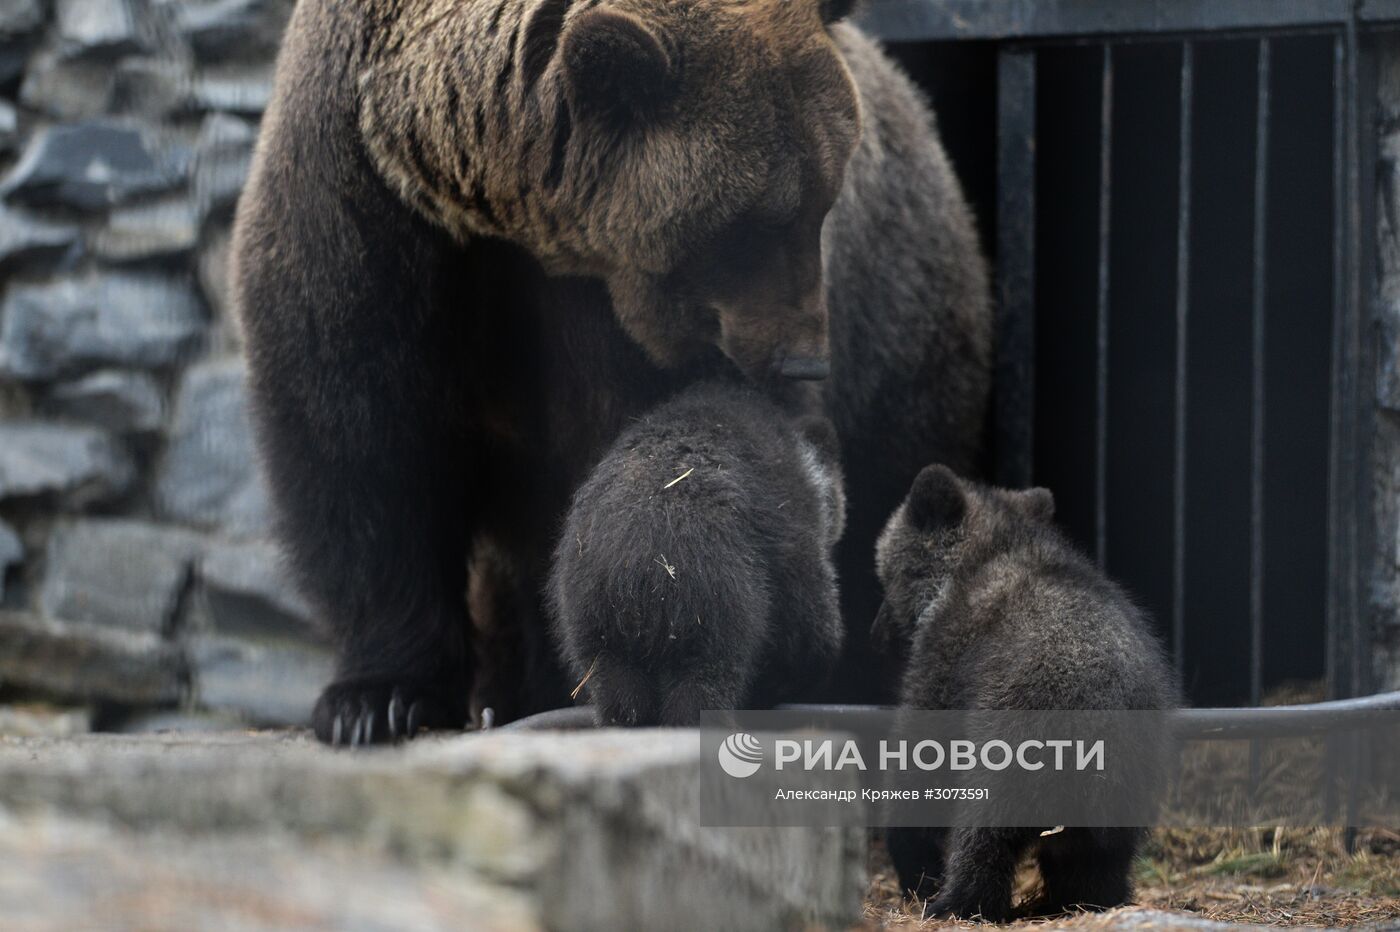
(584, 830)
(63, 875)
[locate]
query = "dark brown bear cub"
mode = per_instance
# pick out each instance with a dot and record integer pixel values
(694, 569)
(995, 610)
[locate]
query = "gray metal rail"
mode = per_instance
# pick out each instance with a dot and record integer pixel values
(1191, 724)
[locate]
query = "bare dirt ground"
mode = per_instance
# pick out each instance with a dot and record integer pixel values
(1284, 877)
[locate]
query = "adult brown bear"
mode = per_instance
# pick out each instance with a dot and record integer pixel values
(480, 235)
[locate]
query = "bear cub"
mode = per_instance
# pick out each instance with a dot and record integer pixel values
(698, 553)
(994, 609)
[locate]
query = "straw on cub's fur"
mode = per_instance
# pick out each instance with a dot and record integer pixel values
(699, 553)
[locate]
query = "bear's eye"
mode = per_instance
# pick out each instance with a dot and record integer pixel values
(747, 246)
(733, 259)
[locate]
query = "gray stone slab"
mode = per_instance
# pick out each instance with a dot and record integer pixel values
(14, 55)
(150, 87)
(11, 552)
(247, 590)
(84, 663)
(228, 29)
(66, 89)
(20, 16)
(214, 282)
(43, 721)
(223, 154)
(598, 830)
(266, 682)
(164, 228)
(26, 237)
(93, 165)
(209, 475)
(98, 27)
(234, 88)
(80, 464)
(127, 402)
(177, 721)
(9, 126)
(61, 874)
(71, 324)
(118, 573)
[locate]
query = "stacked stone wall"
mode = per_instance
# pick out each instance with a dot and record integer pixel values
(138, 578)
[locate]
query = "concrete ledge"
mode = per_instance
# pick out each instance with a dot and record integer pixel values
(594, 830)
(62, 875)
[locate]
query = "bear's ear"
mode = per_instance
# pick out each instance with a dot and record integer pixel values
(617, 66)
(1039, 504)
(835, 10)
(937, 501)
(821, 434)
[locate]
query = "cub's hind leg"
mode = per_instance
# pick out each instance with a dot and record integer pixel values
(918, 855)
(981, 873)
(1087, 868)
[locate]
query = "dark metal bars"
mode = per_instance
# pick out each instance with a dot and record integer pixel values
(1107, 24)
(1183, 306)
(925, 20)
(1260, 333)
(1016, 205)
(1101, 360)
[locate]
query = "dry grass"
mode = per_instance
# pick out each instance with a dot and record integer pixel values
(1286, 877)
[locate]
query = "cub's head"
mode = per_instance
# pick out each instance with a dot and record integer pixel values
(945, 520)
(708, 139)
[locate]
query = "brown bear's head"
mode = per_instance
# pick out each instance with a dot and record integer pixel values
(944, 523)
(710, 139)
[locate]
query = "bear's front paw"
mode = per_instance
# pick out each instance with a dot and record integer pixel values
(354, 713)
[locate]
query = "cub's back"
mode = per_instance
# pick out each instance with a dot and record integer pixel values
(1041, 627)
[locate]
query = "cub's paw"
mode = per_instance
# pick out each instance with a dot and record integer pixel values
(954, 903)
(629, 693)
(355, 713)
(623, 695)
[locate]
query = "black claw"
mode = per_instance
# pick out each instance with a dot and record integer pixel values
(369, 727)
(337, 729)
(356, 732)
(396, 716)
(415, 718)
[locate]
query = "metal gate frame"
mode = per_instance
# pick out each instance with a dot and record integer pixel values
(1018, 28)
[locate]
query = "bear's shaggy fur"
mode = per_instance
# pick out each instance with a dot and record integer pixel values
(694, 570)
(995, 610)
(478, 238)
(579, 131)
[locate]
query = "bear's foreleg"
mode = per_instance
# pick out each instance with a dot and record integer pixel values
(352, 314)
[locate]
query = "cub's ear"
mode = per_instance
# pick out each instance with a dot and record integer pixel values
(834, 10)
(1039, 504)
(617, 66)
(821, 434)
(936, 501)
